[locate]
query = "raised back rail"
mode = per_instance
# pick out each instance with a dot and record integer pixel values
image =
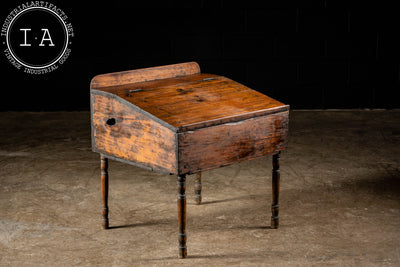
(144, 75)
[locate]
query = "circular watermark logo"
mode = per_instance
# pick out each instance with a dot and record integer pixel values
(37, 36)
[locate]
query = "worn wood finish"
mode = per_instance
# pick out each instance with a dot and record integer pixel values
(123, 132)
(197, 101)
(221, 145)
(197, 188)
(176, 120)
(275, 191)
(104, 190)
(143, 75)
(182, 216)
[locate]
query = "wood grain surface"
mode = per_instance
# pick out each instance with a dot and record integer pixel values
(144, 75)
(198, 100)
(133, 137)
(221, 145)
(174, 119)
(177, 120)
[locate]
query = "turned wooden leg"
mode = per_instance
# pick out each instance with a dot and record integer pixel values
(104, 190)
(275, 191)
(197, 188)
(182, 215)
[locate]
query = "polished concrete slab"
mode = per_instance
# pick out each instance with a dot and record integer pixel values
(340, 199)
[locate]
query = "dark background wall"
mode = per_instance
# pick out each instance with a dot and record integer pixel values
(309, 54)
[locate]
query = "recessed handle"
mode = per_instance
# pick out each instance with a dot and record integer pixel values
(111, 121)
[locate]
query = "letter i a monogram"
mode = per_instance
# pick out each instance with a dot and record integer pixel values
(46, 31)
(37, 38)
(25, 30)
(46, 37)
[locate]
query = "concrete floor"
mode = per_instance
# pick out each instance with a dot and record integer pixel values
(340, 199)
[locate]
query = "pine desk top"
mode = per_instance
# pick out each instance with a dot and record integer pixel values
(193, 100)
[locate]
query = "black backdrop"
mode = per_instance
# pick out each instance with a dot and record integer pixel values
(309, 54)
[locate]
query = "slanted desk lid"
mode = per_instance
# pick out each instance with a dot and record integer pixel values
(197, 100)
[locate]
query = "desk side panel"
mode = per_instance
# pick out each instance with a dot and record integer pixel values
(124, 133)
(229, 143)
